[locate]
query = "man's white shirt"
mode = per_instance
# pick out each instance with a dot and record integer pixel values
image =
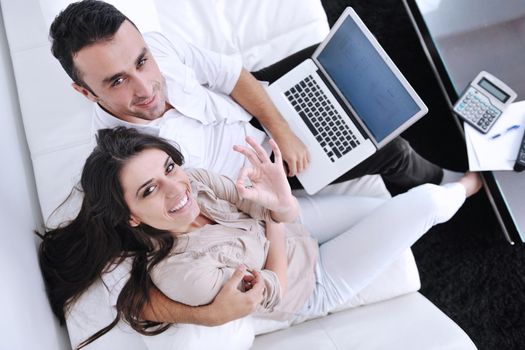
(205, 122)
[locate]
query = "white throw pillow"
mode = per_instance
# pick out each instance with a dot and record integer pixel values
(142, 12)
(95, 309)
(261, 32)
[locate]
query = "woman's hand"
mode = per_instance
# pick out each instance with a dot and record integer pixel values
(269, 186)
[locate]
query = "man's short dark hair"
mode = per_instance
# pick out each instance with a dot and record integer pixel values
(79, 25)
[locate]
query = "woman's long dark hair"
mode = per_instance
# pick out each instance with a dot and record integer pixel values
(74, 255)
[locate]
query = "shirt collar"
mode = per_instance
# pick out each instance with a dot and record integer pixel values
(103, 119)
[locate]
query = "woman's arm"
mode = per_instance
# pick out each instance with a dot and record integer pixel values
(229, 304)
(276, 260)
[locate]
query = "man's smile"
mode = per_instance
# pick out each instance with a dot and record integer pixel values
(147, 103)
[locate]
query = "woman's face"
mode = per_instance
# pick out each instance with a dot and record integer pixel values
(157, 192)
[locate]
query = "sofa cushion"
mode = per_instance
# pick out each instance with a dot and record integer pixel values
(409, 322)
(261, 32)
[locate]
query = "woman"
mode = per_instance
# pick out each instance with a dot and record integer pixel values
(186, 232)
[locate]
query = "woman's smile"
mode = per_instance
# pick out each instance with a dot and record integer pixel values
(182, 204)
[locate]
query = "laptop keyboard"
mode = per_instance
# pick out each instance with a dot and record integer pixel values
(321, 117)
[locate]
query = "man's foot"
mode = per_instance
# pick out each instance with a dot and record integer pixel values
(472, 182)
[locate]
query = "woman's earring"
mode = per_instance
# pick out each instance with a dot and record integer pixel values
(133, 222)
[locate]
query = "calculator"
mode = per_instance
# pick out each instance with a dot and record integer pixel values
(483, 102)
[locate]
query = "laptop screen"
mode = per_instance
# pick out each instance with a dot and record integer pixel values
(366, 81)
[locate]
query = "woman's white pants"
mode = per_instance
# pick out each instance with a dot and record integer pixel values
(359, 237)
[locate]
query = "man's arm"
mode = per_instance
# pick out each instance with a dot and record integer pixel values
(249, 93)
(230, 304)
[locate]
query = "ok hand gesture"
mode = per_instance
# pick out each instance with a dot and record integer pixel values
(269, 186)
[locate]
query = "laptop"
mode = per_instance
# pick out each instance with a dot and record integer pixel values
(346, 102)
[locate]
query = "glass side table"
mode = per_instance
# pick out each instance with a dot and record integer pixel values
(461, 38)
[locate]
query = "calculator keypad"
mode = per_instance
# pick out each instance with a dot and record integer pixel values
(477, 110)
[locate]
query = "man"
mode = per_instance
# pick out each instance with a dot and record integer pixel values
(201, 100)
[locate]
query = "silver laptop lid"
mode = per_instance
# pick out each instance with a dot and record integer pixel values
(367, 80)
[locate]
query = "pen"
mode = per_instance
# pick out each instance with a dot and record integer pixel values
(510, 128)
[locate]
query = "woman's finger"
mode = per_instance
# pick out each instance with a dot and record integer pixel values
(261, 153)
(256, 275)
(258, 286)
(246, 193)
(243, 183)
(248, 278)
(249, 154)
(242, 180)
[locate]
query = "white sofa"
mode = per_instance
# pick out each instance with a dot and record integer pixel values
(46, 135)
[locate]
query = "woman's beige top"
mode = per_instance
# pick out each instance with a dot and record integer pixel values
(203, 260)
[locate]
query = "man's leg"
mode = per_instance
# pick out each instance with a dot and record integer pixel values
(399, 165)
(280, 68)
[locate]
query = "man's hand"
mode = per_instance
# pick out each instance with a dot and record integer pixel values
(231, 303)
(249, 93)
(294, 152)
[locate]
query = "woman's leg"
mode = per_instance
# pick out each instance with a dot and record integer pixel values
(353, 259)
(328, 216)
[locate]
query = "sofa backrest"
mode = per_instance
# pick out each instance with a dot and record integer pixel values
(27, 321)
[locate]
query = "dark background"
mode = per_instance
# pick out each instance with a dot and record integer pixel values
(467, 267)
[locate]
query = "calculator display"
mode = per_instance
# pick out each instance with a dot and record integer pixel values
(484, 101)
(495, 91)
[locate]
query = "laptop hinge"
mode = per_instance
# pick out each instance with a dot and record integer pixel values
(348, 111)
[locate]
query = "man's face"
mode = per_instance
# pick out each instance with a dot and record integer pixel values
(123, 75)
